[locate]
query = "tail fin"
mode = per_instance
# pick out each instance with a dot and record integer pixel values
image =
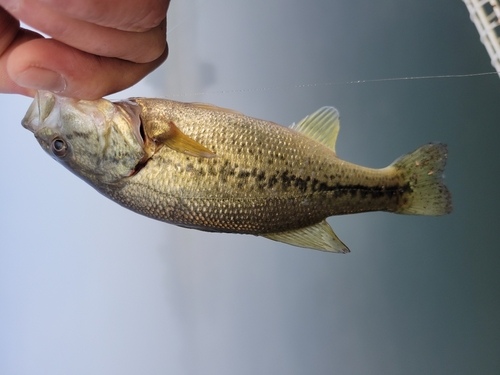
(423, 170)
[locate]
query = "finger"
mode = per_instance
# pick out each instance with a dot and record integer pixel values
(138, 47)
(11, 36)
(46, 64)
(9, 27)
(125, 15)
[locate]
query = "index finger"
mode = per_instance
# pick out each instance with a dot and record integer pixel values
(99, 40)
(127, 15)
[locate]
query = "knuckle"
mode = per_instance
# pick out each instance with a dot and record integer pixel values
(150, 55)
(155, 47)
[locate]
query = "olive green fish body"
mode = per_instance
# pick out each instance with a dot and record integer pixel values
(213, 169)
(266, 178)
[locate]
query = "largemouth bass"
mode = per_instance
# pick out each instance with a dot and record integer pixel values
(204, 167)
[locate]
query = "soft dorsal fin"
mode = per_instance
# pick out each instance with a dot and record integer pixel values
(318, 237)
(323, 126)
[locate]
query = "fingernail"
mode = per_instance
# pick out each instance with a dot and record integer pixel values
(41, 79)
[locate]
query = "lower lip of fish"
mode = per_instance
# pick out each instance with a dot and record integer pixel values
(40, 109)
(31, 120)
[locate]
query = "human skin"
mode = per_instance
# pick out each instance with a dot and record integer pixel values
(95, 47)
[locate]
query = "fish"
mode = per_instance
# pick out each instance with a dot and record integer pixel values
(200, 166)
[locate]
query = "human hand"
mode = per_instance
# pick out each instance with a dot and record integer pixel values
(98, 46)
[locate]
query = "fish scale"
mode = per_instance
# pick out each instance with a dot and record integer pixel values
(231, 198)
(213, 169)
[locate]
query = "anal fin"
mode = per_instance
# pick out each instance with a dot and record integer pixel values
(318, 237)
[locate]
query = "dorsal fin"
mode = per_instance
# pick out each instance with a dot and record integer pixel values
(323, 126)
(212, 107)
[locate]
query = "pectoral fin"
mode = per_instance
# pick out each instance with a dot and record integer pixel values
(319, 237)
(180, 142)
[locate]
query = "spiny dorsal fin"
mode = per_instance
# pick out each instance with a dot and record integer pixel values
(323, 126)
(212, 107)
(173, 138)
(318, 236)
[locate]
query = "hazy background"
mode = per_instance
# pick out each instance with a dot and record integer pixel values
(87, 287)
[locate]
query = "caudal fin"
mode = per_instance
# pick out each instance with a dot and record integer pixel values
(423, 170)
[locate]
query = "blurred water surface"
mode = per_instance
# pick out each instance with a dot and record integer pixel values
(87, 287)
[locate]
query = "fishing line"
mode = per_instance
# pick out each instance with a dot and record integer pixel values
(179, 23)
(313, 85)
(355, 82)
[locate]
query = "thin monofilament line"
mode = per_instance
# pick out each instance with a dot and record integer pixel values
(181, 22)
(272, 88)
(178, 24)
(425, 77)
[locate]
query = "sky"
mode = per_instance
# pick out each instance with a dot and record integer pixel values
(87, 287)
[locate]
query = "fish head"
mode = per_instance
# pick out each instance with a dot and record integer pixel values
(100, 141)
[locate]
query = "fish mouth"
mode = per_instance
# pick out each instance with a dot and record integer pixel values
(40, 109)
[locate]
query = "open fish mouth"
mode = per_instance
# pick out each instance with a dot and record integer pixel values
(48, 109)
(42, 107)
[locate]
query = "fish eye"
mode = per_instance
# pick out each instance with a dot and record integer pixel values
(59, 147)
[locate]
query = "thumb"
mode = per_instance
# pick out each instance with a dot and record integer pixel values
(46, 64)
